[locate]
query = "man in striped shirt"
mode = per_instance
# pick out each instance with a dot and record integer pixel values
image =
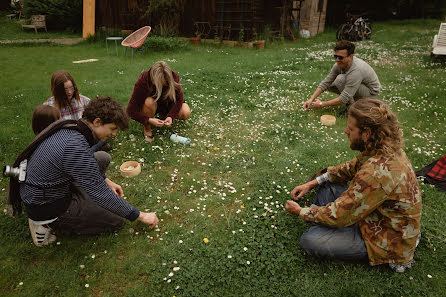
(66, 189)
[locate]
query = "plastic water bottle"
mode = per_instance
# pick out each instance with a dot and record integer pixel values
(180, 139)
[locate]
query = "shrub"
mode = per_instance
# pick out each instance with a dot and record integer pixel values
(167, 13)
(61, 14)
(102, 32)
(159, 43)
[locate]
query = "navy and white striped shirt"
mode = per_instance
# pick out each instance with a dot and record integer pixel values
(61, 159)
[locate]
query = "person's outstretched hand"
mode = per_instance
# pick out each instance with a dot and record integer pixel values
(299, 191)
(148, 218)
(292, 207)
(316, 104)
(307, 104)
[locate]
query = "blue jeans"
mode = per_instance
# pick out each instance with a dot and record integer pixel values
(344, 243)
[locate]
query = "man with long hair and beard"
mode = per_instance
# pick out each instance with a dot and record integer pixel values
(378, 215)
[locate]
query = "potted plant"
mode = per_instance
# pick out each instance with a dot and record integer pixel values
(241, 36)
(197, 39)
(218, 39)
(259, 44)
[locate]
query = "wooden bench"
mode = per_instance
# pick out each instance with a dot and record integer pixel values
(439, 44)
(36, 22)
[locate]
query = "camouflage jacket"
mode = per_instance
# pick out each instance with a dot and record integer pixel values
(384, 198)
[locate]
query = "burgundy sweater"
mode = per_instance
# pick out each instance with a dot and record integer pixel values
(143, 89)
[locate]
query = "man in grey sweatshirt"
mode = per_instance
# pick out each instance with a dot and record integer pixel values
(350, 77)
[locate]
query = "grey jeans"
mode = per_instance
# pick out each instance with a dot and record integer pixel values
(339, 84)
(84, 216)
(344, 243)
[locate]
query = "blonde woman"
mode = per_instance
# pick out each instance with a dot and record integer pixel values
(157, 91)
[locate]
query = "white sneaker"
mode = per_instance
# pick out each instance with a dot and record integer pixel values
(418, 239)
(400, 268)
(41, 235)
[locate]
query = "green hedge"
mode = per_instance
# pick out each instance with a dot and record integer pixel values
(160, 43)
(61, 14)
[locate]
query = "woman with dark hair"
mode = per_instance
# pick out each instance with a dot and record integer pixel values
(43, 116)
(157, 91)
(66, 96)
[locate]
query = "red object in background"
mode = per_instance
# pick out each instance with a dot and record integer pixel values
(439, 170)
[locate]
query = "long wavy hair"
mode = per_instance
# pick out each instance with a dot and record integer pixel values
(58, 89)
(386, 135)
(160, 73)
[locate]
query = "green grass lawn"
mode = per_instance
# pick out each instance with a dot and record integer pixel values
(251, 144)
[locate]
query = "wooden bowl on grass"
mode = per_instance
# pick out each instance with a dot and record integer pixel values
(130, 168)
(328, 120)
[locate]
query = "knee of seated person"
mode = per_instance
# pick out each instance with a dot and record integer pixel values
(119, 223)
(102, 158)
(340, 82)
(311, 243)
(185, 112)
(150, 102)
(115, 225)
(340, 78)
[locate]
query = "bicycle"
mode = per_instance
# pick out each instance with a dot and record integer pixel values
(357, 28)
